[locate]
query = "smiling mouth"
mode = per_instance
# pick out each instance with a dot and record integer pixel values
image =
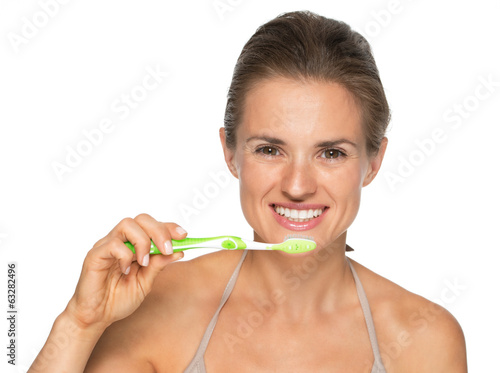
(298, 215)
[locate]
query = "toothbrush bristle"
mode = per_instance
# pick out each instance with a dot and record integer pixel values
(296, 245)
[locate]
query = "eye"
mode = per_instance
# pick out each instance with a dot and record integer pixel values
(333, 154)
(268, 150)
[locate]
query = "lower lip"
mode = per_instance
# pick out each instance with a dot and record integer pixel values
(296, 225)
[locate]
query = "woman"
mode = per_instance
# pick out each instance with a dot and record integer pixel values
(304, 133)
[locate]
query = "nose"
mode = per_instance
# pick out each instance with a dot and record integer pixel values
(298, 181)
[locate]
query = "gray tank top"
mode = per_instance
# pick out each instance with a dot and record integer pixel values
(197, 365)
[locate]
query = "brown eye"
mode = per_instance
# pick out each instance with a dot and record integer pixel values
(332, 153)
(268, 150)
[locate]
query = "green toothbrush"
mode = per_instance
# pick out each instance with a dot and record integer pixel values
(291, 245)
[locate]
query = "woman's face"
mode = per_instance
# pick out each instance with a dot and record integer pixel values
(301, 160)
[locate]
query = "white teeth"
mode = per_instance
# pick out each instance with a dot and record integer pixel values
(298, 215)
(299, 220)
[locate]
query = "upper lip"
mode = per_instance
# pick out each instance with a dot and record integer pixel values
(299, 206)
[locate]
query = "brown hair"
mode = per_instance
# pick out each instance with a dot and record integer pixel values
(303, 45)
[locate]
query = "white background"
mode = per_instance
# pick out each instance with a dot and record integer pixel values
(438, 226)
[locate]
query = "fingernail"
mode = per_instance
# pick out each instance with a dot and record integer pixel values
(145, 260)
(180, 230)
(127, 271)
(168, 248)
(178, 255)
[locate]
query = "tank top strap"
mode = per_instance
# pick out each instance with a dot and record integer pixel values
(378, 366)
(197, 364)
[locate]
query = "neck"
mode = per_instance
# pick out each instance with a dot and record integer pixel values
(300, 286)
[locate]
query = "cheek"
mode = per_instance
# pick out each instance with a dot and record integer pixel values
(255, 180)
(345, 183)
(346, 179)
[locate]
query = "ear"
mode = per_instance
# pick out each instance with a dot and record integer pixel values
(228, 153)
(375, 163)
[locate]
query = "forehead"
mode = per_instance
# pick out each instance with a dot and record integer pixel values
(284, 106)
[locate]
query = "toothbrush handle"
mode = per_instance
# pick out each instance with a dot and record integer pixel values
(196, 243)
(193, 241)
(220, 242)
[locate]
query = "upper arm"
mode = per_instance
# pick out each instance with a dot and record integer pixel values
(135, 343)
(434, 342)
(125, 346)
(118, 351)
(443, 346)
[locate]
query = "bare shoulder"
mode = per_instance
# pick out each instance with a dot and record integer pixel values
(414, 334)
(164, 332)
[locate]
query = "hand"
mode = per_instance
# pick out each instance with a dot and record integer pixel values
(112, 284)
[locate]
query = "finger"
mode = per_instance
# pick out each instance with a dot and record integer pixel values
(156, 230)
(101, 241)
(161, 233)
(103, 257)
(157, 264)
(176, 232)
(129, 230)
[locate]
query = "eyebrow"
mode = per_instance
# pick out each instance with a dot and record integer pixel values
(323, 144)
